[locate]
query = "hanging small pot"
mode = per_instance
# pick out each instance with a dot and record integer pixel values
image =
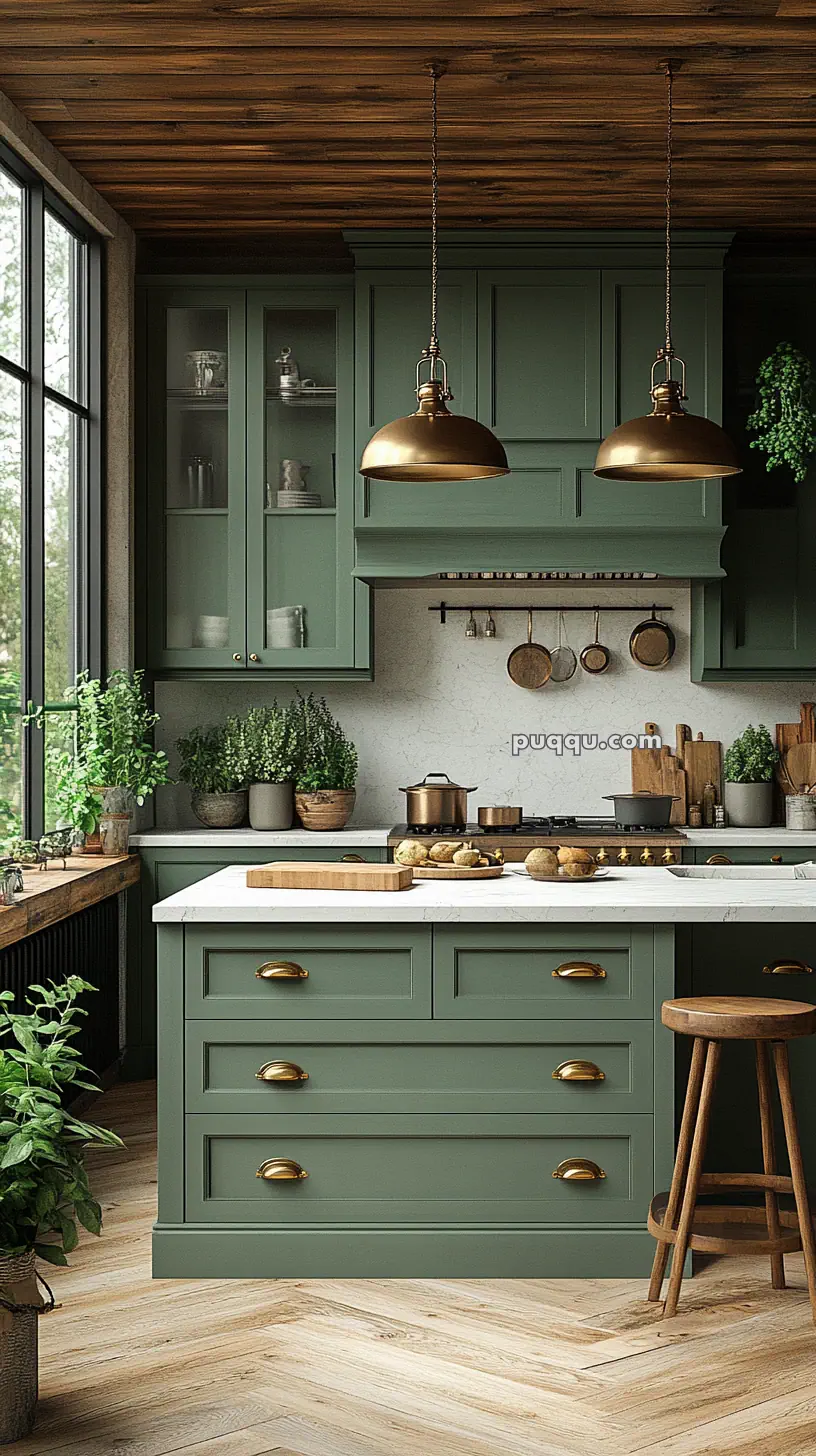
(596, 658)
(564, 661)
(529, 665)
(652, 643)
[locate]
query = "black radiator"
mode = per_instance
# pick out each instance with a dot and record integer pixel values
(86, 945)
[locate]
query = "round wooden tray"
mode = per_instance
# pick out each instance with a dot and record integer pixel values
(457, 872)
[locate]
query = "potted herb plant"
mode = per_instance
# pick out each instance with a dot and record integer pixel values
(325, 789)
(748, 770)
(44, 1188)
(785, 419)
(272, 744)
(77, 803)
(212, 763)
(114, 748)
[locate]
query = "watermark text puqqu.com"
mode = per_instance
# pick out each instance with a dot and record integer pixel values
(578, 743)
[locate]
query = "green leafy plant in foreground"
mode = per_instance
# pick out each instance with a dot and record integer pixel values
(785, 419)
(751, 758)
(44, 1188)
(329, 756)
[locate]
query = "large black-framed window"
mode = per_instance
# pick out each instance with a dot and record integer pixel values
(50, 482)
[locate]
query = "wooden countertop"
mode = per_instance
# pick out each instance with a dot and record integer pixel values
(51, 895)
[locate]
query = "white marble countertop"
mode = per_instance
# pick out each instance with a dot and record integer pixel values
(622, 895)
(376, 837)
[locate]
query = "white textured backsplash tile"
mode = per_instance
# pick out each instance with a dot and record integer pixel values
(442, 703)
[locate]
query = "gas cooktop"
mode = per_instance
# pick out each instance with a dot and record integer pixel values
(545, 827)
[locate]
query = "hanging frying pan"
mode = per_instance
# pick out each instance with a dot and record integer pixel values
(529, 665)
(652, 643)
(596, 658)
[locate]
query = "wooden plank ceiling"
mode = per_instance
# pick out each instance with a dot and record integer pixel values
(205, 120)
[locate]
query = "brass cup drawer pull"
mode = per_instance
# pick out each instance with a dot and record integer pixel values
(281, 1170)
(787, 968)
(281, 971)
(281, 1072)
(715, 859)
(577, 1070)
(580, 971)
(579, 1170)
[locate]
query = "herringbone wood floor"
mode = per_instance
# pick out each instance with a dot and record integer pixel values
(546, 1367)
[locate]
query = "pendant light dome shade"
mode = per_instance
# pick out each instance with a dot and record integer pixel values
(669, 444)
(432, 444)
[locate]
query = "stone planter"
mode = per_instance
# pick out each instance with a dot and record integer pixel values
(325, 808)
(271, 806)
(114, 820)
(18, 1347)
(220, 811)
(749, 806)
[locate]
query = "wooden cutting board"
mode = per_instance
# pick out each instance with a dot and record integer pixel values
(325, 875)
(673, 781)
(800, 761)
(659, 771)
(788, 735)
(702, 760)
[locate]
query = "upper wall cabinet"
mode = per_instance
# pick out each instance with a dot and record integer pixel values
(558, 333)
(249, 532)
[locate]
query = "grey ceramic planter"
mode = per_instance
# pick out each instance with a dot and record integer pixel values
(749, 806)
(271, 806)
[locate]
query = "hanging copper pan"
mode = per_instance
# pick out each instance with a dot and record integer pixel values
(652, 643)
(529, 665)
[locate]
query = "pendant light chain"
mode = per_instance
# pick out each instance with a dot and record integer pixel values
(669, 82)
(434, 344)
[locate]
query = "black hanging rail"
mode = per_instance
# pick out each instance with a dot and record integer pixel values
(638, 610)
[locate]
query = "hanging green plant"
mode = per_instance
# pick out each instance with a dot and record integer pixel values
(785, 421)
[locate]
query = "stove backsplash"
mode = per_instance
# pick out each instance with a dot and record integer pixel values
(440, 702)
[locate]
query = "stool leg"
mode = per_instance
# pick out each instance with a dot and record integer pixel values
(695, 1082)
(698, 1148)
(780, 1052)
(769, 1158)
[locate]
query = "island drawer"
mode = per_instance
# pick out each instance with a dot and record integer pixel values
(414, 1170)
(484, 971)
(306, 972)
(437, 1067)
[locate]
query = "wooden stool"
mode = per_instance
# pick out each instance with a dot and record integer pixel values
(712, 1020)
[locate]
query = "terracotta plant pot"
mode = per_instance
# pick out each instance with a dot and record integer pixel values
(93, 842)
(18, 1349)
(325, 808)
(220, 811)
(114, 820)
(271, 806)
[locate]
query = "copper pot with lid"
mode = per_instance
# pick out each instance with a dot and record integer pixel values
(431, 804)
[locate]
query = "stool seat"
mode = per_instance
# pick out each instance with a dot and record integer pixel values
(739, 1018)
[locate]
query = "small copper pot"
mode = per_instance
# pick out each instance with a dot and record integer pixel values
(500, 816)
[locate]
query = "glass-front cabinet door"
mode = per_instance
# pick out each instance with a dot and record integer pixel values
(196, 413)
(300, 478)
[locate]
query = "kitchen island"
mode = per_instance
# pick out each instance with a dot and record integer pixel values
(369, 1084)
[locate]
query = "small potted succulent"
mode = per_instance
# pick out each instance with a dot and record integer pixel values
(113, 747)
(272, 745)
(325, 789)
(212, 764)
(44, 1188)
(749, 770)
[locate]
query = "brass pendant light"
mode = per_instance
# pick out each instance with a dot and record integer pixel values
(432, 444)
(669, 444)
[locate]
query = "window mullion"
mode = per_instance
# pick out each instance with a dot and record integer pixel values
(34, 514)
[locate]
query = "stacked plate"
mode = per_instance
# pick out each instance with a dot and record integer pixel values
(299, 499)
(211, 632)
(285, 627)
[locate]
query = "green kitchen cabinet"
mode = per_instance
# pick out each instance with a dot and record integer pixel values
(759, 622)
(249, 531)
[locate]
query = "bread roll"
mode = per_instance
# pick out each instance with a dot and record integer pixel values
(443, 851)
(411, 852)
(578, 870)
(541, 863)
(570, 854)
(466, 858)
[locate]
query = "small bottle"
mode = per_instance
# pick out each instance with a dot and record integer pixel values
(695, 816)
(719, 816)
(709, 801)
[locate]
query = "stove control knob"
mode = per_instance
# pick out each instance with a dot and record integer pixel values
(602, 858)
(623, 857)
(647, 858)
(669, 857)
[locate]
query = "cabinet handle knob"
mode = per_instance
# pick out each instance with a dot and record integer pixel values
(353, 859)
(281, 1072)
(236, 657)
(579, 1170)
(580, 971)
(281, 971)
(787, 968)
(669, 857)
(776, 859)
(280, 1170)
(253, 657)
(578, 1071)
(719, 859)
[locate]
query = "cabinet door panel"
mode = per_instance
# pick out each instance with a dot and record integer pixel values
(539, 350)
